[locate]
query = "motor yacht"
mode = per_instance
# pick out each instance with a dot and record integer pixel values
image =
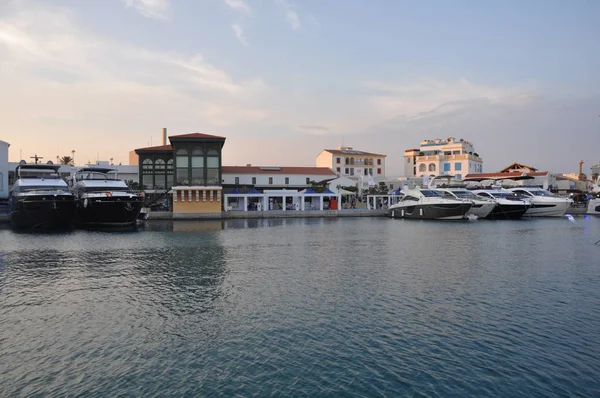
(543, 202)
(594, 206)
(508, 205)
(39, 198)
(481, 207)
(103, 200)
(429, 204)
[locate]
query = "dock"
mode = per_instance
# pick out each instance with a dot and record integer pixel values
(229, 215)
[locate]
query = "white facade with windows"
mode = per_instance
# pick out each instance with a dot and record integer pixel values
(265, 177)
(348, 162)
(442, 157)
(4, 169)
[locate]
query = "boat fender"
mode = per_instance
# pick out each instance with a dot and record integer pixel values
(85, 203)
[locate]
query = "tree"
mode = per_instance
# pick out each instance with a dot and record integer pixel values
(317, 186)
(66, 160)
(382, 188)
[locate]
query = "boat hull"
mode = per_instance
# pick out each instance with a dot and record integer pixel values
(547, 209)
(42, 212)
(431, 211)
(108, 212)
(507, 212)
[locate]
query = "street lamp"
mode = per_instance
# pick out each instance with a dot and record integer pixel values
(73, 157)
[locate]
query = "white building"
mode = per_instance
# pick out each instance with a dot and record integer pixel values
(349, 162)
(442, 157)
(4, 169)
(274, 177)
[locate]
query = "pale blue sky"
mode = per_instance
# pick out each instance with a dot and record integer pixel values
(283, 79)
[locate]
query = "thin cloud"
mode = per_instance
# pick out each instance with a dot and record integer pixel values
(154, 9)
(239, 33)
(314, 127)
(290, 14)
(239, 5)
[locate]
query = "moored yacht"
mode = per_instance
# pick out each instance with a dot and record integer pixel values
(104, 201)
(429, 204)
(508, 205)
(481, 207)
(543, 202)
(39, 198)
(594, 206)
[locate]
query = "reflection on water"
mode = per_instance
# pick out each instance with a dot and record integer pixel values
(288, 307)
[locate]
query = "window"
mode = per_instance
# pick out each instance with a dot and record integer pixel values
(170, 164)
(391, 186)
(446, 166)
(366, 171)
(337, 160)
(308, 178)
(408, 160)
(182, 164)
(378, 162)
(457, 166)
(197, 167)
(432, 167)
(287, 180)
(338, 170)
(212, 167)
(159, 174)
(253, 180)
(378, 171)
(352, 161)
(352, 171)
(347, 161)
(458, 176)
(237, 180)
(148, 174)
(271, 180)
(347, 171)
(370, 172)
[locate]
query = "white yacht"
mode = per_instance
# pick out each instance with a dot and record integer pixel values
(429, 204)
(508, 205)
(481, 207)
(594, 206)
(543, 202)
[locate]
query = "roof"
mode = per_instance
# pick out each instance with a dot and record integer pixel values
(155, 148)
(196, 135)
(351, 152)
(517, 166)
(279, 170)
(506, 175)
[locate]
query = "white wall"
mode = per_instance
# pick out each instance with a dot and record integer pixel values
(4, 169)
(262, 179)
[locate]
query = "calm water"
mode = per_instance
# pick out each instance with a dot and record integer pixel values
(300, 307)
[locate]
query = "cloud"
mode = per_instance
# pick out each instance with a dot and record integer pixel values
(239, 33)
(155, 9)
(314, 127)
(290, 14)
(239, 5)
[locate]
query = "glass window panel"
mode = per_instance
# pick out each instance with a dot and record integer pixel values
(147, 181)
(212, 161)
(182, 176)
(169, 180)
(197, 176)
(197, 161)
(212, 177)
(182, 161)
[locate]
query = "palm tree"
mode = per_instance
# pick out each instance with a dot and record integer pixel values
(66, 160)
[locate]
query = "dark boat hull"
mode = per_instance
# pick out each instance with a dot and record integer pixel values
(432, 212)
(507, 212)
(42, 212)
(110, 212)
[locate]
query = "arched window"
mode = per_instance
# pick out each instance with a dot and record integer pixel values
(212, 167)
(197, 167)
(182, 164)
(159, 174)
(431, 167)
(148, 174)
(170, 164)
(422, 167)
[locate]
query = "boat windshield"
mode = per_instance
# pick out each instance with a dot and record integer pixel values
(429, 193)
(543, 192)
(502, 194)
(33, 188)
(465, 194)
(106, 189)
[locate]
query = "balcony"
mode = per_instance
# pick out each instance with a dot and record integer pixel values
(436, 158)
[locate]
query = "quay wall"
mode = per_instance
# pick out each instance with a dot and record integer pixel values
(227, 215)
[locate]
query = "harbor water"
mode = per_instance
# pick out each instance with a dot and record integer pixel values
(304, 307)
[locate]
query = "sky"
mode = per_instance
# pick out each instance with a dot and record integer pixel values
(285, 79)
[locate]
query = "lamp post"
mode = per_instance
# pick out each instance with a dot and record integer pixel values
(73, 157)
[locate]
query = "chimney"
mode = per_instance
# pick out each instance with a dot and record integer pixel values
(164, 136)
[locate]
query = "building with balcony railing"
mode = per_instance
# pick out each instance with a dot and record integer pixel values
(442, 157)
(349, 162)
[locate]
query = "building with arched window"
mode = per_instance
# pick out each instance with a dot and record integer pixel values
(4, 169)
(190, 168)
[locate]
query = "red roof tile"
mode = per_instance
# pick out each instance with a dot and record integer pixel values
(156, 148)
(508, 175)
(195, 135)
(282, 170)
(352, 152)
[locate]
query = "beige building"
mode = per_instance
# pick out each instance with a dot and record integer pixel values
(348, 162)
